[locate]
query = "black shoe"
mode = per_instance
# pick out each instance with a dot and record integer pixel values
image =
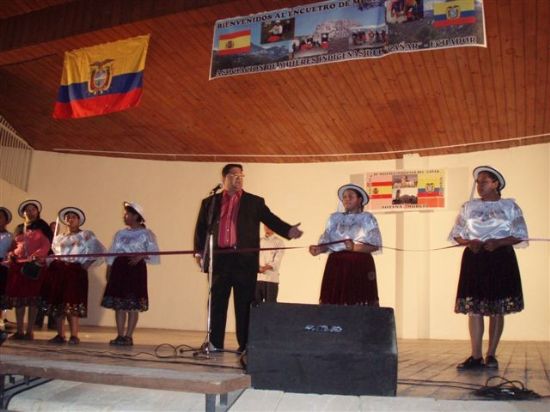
(209, 347)
(58, 339)
(491, 362)
(470, 364)
(18, 336)
(3, 336)
(9, 326)
(73, 340)
(118, 341)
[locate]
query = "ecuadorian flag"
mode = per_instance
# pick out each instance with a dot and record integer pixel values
(454, 13)
(235, 42)
(102, 79)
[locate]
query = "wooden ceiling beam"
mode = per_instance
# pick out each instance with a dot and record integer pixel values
(82, 16)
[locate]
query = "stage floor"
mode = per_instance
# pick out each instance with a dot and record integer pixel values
(426, 373)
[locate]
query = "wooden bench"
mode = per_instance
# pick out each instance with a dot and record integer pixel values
(226, 385)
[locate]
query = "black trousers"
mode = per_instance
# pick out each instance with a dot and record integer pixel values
(266, 291)
(244, 286)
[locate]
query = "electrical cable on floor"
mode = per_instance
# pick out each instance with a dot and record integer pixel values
(506, 390)
(133, 356)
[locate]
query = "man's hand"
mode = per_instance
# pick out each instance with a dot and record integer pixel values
(315, 250)
(294, 232)
(265, 268)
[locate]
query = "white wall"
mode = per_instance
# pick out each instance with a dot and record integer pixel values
(420, 286)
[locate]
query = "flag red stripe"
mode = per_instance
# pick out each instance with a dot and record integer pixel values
(234, 51)
(241, 33)
(97, 105)
(430, 194)
(452, 22)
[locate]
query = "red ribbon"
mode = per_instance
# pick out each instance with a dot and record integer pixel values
(235, 250)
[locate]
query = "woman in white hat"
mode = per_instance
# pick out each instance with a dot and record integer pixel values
(6, 241)
(32, 244)
(350, 238)
(126, 290)
(489, 283)
(66, 289)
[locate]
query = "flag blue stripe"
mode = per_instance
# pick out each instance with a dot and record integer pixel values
(463, 13)
(123, 83)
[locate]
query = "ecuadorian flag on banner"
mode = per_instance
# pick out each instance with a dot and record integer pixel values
(454, 13)
(102, 79)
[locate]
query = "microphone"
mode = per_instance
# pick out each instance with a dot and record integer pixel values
(218, 187)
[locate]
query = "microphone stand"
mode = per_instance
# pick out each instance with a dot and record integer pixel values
(206, 347)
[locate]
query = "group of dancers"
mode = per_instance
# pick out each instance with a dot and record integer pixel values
(489, 283)
(489, 227)
(31, 280)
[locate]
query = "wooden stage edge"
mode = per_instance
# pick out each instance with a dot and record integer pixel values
(426, 368)
(171, 366)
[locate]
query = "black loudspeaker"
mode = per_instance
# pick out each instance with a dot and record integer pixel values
(326, 349)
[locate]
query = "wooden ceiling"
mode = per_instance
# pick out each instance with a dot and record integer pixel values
(431, 102)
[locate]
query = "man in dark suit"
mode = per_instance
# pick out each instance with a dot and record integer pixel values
(235, 217)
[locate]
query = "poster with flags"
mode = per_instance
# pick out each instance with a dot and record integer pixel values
(102, 79)
(338, 30)
(405, 190)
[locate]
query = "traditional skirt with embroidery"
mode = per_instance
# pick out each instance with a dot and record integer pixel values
(3, 284)
(22, 290)
(127, 286)
(489, 283)
(65, 289)
(349, 279)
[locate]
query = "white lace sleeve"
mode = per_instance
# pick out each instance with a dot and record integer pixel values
(325, 237)
(459, 228)
(113, 249)
(372, 235)
(518, 226)
(152, 246)
(93, 246)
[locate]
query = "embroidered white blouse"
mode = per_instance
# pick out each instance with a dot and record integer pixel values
(83, 242)
(359, 227)
(485, 220)
(134, 241)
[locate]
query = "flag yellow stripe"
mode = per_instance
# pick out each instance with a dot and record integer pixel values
(128, 57)
(235, 43)
(465, 5)
(381, 190)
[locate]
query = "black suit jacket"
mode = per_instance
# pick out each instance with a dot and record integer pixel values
(252, 212)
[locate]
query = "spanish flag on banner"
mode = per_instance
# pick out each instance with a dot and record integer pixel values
(102, 79)
(235, 43)
(381, 189)
(454, 13)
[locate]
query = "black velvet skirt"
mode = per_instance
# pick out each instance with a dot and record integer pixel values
(489, 283)
(127, 286)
